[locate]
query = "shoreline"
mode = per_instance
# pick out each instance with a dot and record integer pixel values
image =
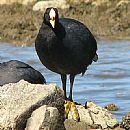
(106, 23)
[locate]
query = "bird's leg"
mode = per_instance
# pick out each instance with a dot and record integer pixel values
(71, 86)
(63, 79)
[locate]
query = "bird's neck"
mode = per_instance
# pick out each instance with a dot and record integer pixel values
(59, 30)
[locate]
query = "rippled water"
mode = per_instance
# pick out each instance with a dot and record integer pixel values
(106, 81)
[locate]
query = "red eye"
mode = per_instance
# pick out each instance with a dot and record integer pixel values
(53, 18)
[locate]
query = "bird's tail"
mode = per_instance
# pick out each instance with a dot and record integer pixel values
(95, 57)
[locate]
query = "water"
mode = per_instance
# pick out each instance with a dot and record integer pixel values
(106, 81)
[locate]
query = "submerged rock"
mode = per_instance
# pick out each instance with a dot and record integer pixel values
(14, 70)
(111, 107)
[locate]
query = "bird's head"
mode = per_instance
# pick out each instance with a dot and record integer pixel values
(51, 17)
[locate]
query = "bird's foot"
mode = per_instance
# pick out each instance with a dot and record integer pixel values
(67, 105)
(71, 100)
(71, 111)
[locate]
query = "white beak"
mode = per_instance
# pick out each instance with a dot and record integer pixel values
(52, 22)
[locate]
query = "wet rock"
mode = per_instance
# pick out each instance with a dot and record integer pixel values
(126, 122)
(94, 117)
(19, 100)
(111, 107)
(14, 70)
(42, 5)
(45, 118)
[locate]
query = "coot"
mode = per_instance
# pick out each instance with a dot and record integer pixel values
(65, 46)
(14, 70)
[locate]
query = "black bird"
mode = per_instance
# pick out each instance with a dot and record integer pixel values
(65, 46)
(13, 71)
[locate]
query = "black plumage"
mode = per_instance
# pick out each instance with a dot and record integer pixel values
(65, 46)
(13, 71)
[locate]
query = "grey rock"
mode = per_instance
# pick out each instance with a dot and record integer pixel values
(70, 124)
(126, 122)
(19, 100)
(44, 118)
(42, 5)
(111, 107)
(13, 71)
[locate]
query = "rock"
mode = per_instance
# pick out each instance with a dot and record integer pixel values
(43, 118)
(73, 125)
(24, 2)
(13, 71)
(122, 2)
(19, 100)
(75, 2)
(25, 106)
(94, 117)
(100, 2)
(111, 107)
(126, 122)
(118, 128)
(42, 5)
